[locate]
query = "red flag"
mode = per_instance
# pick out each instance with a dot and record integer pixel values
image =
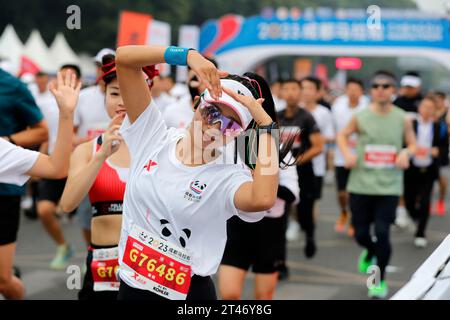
(28, 66)
(133, 28)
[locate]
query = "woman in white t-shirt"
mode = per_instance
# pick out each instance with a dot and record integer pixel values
(179, 194)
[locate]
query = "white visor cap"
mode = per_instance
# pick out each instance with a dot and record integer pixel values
(242, 111)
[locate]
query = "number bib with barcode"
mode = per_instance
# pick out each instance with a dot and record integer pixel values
(158, 265)
(104, 267)
(380, 156)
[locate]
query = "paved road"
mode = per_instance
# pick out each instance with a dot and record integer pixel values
(330, 275)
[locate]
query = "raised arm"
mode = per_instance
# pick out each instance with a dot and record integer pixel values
(56, 165)
(261, 194)
(133, 86)
(84, 166)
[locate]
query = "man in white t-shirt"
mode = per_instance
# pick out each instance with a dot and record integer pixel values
(161, 98)
(277, 93)
(343, 110)
(311, 87)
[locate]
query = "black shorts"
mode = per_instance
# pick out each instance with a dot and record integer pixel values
(51, 190)
(318, 184)
(9, 219)
(259, 245)
(201, 288)
(87, 291)
(342, 175)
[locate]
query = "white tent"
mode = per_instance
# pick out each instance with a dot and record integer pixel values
(38, 52)
(87, 66)
(61, 53)
(11, 48)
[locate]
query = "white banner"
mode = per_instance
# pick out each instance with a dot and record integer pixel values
(189, 37)
(159, 33)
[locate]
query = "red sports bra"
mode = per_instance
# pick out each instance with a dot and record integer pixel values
(107, 192)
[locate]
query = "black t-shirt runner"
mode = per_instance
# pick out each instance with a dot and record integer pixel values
(303, 121)
(408, 104)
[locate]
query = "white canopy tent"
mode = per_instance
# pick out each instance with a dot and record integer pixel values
(11, 49)
(38, 52)
(61, 53)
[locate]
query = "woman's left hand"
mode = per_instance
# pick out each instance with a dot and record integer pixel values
(253, 105)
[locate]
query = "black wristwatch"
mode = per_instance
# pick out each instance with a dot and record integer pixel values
(268, 129)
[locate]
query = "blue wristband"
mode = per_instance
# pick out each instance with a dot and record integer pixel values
(176, 56)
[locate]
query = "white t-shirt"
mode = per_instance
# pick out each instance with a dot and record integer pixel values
(47, 103)
(324, 121)
(163, 101)
(91, 114)
(179, 114)
(194, 200)
(15, 162)
(342, 114)
(424, 143)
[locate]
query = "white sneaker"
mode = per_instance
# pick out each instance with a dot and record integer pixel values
(420, 242)
(402, 219)
(293, 231)
(26, 203)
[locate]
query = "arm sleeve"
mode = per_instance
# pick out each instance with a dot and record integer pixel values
(15, 162)
(147, 133)
(233, 184)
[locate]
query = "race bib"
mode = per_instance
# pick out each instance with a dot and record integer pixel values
(157, 265)
(105, 267)
(422, 158)
(92, 133)
(289, 131)
(380, 156)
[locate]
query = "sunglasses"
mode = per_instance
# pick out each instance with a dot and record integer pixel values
(212, 115)
(382, 85)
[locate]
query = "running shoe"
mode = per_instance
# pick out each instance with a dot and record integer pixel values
(293, 231)
(440, 208)
(341, 223)
(402, 219)
(378, 292)
(17, 273)
(364, 263)
(420, 242)
(63, 254)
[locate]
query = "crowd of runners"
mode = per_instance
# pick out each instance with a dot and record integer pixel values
(174, 183)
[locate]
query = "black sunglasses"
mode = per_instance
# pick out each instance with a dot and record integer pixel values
(382, 85)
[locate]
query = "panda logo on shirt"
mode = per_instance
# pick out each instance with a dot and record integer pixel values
(166, 233)
(195, 191)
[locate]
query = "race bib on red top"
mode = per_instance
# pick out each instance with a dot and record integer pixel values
(105, 267)
(158, 265)
(380, 156)
(92, 133)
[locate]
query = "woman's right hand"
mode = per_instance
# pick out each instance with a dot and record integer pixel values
(206, 72)
(111, 139)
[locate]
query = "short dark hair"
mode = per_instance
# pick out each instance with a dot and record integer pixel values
(412, 73)
(316, 81)
(355, 81)
(291, 80)
(41, 74)
(74, 67)
(440, 94)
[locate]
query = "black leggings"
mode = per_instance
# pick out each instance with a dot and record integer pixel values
(418, 184)
(378, 210)
(202, 288)
(305, 208)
